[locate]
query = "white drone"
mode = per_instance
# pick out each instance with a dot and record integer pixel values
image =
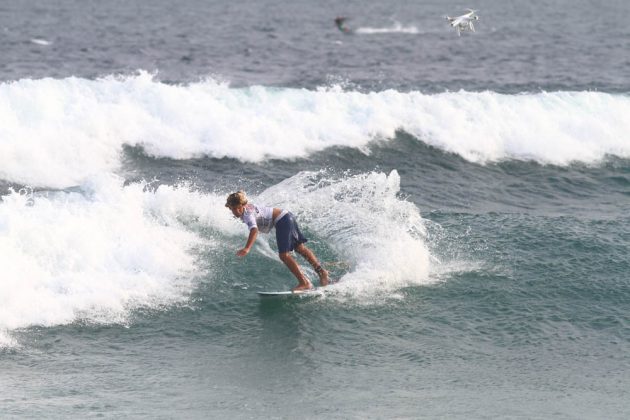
(463, 22)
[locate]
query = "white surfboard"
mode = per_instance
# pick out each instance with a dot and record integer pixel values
(316, 291)
(289, 293)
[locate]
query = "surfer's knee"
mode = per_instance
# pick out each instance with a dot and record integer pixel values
(284, 256)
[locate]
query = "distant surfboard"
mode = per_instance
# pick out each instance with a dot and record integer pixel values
(40, 41)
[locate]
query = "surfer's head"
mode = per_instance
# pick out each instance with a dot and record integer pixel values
(236, 201)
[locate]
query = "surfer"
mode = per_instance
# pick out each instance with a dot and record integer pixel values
(288, 236)
(340, 22)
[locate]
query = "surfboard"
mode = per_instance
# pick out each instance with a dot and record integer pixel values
(316, 291)
(289, 293)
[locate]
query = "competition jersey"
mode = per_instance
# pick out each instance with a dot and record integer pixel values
(260, 217)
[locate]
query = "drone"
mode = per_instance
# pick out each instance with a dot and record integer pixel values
(463, 22)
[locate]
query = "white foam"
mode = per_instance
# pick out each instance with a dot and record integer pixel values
(60, 133)
(99, 253)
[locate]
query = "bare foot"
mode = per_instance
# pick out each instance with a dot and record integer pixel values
(302, 287)
(323, 277)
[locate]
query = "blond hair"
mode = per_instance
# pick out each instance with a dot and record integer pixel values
(235, 199)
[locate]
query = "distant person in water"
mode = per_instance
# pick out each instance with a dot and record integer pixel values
(341, 24)
(288, 236)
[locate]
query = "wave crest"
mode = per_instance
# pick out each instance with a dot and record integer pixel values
(59, 133)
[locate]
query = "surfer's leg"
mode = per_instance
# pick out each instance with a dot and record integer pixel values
(289, 238)
(304, 251)
(293, 266)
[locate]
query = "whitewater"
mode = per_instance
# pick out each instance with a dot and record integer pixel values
(59, 133)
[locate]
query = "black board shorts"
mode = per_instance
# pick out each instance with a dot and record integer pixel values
(288, 234)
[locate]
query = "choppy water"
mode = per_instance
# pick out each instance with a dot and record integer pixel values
(471, 192)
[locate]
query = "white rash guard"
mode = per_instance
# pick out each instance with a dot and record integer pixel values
(260, 217)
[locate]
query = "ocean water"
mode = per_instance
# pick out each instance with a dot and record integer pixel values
(471, 193)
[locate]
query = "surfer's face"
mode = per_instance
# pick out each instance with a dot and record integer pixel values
(238, 210)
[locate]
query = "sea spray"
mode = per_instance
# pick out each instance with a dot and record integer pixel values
(371, 228)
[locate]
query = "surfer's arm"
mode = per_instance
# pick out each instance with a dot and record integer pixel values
(253, 233)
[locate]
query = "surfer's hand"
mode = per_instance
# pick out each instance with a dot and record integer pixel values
(243, 252)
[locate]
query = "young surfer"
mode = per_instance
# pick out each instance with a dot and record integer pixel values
(288, 236)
